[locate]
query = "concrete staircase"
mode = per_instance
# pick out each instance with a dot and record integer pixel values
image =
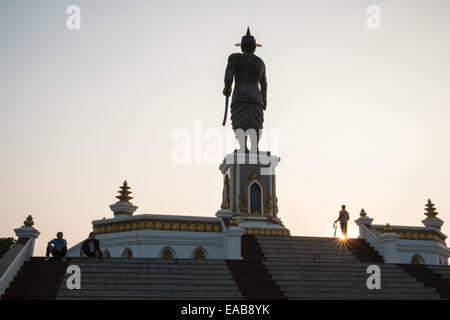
(362, 250)
(254, 281)
(443, 271)
(36, 280)
(122, 278)
(273, 268)
(326, 268)
(437, 277)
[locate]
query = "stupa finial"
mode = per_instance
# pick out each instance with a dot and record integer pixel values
(387, 228)
(124, 193)
(430, 209)
(29, 222)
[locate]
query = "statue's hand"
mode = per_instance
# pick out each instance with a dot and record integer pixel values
(227, 92)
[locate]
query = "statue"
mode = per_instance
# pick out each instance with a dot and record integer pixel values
(249, 98)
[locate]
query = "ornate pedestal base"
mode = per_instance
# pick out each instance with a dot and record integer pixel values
(249, 193)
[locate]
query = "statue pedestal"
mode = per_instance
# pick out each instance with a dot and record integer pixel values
(249, 193)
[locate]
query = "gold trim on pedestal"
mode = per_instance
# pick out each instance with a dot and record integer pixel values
(274, 200)
(226, 198)
(234, 188)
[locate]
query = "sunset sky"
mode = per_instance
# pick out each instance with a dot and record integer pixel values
(363, 116)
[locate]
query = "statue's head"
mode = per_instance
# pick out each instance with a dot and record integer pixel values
(248, 43)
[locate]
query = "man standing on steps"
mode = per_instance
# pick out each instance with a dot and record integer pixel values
(57, 247)
(343, 218)
(91, 247)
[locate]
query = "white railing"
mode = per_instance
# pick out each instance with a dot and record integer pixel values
(24, 255)
(371, 238)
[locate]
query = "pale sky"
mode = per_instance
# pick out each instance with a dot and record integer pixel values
(363, 115)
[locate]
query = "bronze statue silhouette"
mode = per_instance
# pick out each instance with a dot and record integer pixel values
(249, 97)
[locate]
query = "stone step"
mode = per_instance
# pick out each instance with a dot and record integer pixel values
(325, 271)
(289, 291)
(193, 293)
(146, 297)
(324, 258)
(309, 247)
(135, 261)
(338, 277)
(359, 296)
(126, 297)
(327, 247)
(296, 253)
(139, 270)
(344, 277)
(133, 281)
(50, 266)
(445, 274)
(343, 273)
(354, 262)
(440, 270)
(138, 276)
(297, 295)
(107, 272)
(307, 250)
(157, 287)
(348, 285)
(293, 243)
(304, 264)
(343, 263)
(297, 238)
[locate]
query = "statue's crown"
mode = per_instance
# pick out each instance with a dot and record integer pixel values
(248, 39)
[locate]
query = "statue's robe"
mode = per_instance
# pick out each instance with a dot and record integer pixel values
(250, 91)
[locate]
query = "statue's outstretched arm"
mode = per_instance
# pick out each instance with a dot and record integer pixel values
(229, 75)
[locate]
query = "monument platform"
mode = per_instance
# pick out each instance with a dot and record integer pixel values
(249, 198)
(279, 268)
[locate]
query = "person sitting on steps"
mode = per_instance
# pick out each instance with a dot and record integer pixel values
(91, 247)
(57, 247)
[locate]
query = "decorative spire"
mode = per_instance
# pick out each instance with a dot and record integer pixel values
(431, 210)
(248, 31)
(29, 222)
(431, 220)
(124, 193)
(387, 228)
(123, 206)
(363, 219)
(27, 230)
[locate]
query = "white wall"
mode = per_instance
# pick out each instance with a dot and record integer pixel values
(150, 243)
